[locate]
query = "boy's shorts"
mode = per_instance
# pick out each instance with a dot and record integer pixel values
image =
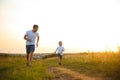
(60, 56)
(30, 48)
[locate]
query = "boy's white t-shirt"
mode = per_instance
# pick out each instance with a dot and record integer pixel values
(60, 50)
(31, 35)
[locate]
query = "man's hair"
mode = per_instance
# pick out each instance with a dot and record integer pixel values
(60, 42)
(35, 25)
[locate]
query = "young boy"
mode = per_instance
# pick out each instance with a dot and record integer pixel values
(59, 51)
(30, 38)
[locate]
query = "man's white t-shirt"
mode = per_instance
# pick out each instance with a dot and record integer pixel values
(31, 35)
(60, 50)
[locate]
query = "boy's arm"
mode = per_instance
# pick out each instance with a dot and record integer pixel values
(63, 49)
(55, 50)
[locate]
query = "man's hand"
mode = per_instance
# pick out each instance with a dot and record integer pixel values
(36, 44)
(28, 39)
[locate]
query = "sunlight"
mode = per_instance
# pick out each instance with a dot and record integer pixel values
(81, 25)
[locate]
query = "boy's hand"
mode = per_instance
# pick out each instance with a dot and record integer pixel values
(54, 52)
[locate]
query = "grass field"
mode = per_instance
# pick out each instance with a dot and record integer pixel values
(105, 65)
(101, 65)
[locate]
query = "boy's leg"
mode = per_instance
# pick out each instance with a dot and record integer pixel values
(59, 59)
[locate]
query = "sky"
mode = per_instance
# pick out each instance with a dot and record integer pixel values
(82, 25)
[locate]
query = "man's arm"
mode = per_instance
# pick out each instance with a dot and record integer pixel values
(26, 38)
(37, 41)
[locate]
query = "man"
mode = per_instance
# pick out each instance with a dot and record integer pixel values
(30, 38)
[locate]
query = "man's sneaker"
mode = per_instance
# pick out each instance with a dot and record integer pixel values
(59, 63)
(28, 64)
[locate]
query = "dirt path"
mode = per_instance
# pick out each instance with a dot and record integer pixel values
(67, 74)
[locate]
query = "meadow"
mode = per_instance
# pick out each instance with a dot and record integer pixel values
(103, 65)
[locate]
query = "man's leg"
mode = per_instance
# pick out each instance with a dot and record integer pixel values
(28, 59)
(31, 56)
(28, 54)
(32, 49)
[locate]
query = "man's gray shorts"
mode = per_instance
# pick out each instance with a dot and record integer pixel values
(30, 48)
